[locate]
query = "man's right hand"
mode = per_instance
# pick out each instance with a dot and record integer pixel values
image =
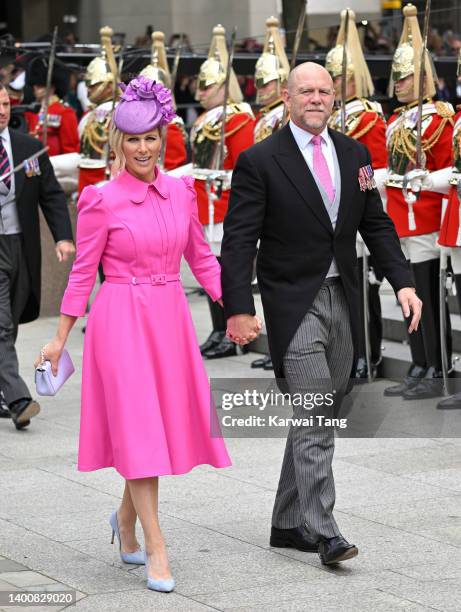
(243, 328)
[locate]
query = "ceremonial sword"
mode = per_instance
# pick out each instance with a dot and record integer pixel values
(294, 53)
(49, 76)
(174, 75)
(216, 178)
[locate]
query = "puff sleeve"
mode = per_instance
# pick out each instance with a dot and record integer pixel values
(197, 253)
(92, 230)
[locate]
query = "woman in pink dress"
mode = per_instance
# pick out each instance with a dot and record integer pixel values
(146, 408)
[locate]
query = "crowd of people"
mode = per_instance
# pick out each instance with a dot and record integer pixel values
(298, 185)
(79, 116)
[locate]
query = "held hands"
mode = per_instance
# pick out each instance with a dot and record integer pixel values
(411, 304)
(64, 250)
(243, 328)
(51, 352)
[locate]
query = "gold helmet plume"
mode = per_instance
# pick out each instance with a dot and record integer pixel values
(213, 70)
(102, 69)
(407, 56)
(273, 63)
(158, 69)
(356, 65)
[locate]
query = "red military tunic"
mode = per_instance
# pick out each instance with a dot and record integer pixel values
(62, 128)
(268, 120)
(365, 122)
(175, 152)
(205, 141)
(437, 132)
(450, 230)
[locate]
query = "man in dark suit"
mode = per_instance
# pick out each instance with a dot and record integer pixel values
(20, 255)
(304, 192)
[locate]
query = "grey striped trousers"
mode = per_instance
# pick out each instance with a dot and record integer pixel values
(318, 359)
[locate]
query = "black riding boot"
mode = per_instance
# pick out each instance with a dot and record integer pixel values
(453, 402)
(427, 286)
(418, 366)
(375, 326)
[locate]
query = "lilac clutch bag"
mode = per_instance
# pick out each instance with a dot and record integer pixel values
(46, 382)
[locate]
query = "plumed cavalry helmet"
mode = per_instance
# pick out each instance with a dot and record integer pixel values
(103, 69)
(213, 70)
(273, 63)
(356, 65)
(407, 56)
(158, 69)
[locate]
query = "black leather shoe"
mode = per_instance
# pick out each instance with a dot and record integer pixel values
(264, 362)
(4, 410)
(259, 363)
(334, 550)
(268, 365)
(226, 348)
(23, 410)
(212, 341)
(450, 403)
(415, 374)
(298, 537)
(361, 372)
(428, 387)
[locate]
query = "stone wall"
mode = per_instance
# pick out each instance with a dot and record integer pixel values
(54, 274)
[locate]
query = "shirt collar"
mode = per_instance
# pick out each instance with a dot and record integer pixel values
(5, 135)
(138, 189)
(303, 137)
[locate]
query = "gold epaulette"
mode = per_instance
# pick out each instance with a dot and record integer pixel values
(444, 109)
(372, 107)
(265, 109)
(240, 107)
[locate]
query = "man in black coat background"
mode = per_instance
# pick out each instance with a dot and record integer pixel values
(304, 192)
(20, 254)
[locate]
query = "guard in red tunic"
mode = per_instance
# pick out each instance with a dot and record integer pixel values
(62, 131)
(415, 205)
(205, 144)
(93, 128)
(365, 122)
(450, 232)
(175, 147)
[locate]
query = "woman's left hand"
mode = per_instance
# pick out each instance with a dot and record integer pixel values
(52, 351)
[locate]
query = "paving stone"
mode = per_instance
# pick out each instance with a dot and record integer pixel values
(220, 573)
(139, 600)
(398, 499)
(6, 565)
(26, 578)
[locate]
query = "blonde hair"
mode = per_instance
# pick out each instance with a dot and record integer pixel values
(115, 144)
(116, 137)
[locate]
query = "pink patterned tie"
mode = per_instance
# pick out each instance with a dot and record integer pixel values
(321, 168)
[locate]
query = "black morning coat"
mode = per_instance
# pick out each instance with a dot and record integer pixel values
(31, 191)
(274, 198)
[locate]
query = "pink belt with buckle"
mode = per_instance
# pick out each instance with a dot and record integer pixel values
(153, 279)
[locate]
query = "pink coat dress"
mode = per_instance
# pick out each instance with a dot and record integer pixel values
(146, 407)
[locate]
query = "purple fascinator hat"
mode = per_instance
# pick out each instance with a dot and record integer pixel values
(144, 105)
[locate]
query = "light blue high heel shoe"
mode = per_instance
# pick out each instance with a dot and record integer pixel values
(154, 584)
(138, 557)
